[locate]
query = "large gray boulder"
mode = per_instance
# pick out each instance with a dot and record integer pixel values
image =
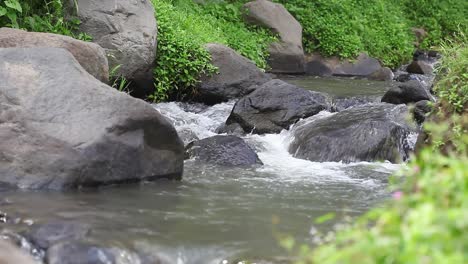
(90, 56)
(127, 30)
(362, 133)
(408, 92)
(275, 106)
(61, 128)
(420, 67)
(362, 66)
(237, 76)
(223, 150)
(287, 56)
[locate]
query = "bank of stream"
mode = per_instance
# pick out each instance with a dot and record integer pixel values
(216, 213)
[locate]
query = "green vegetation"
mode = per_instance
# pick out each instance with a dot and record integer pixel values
(38, 16)
(427, 220)
(382, 28)
(184, 28)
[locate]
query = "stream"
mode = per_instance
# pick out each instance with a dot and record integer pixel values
(214, 213)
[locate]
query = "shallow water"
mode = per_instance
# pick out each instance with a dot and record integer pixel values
(216, 213)
(340, 87)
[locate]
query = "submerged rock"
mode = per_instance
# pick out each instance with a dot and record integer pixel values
(407, 92)
(340, 104)
(223, 150)
(61, 128)
(46, 235)
(287, 55)
(77, 252)
(237, 76)
(127, 30)
(275, 106)
(90, 56)
(362, 133)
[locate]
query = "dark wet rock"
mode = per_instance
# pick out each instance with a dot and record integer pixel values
(363, 66)
(421, 110)
(237, 76)
(420, 55)
(287, 55)
(340, 104)
(61, 128)
(375, 132)
(275, 106)
(405, 77)
(383, 74)
(10, 254)
(223, 150)
(408, 92)
(77, 252)
(232, 129)
(434, 54)
(420, 67)
(127, 30)
(90, 56)
(318, 67)
(46, 235)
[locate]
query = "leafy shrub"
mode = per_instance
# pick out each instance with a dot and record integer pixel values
(39, 16)
(346, 27)
(381, 28)
(184, 28)
(440, 18)
(427, 220)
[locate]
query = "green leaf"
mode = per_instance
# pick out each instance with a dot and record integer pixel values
(324, 218)
(3, 11)
(14, 4)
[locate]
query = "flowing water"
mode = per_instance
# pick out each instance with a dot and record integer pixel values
(214, 213)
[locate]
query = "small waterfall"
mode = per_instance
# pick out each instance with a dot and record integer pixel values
(202, 121)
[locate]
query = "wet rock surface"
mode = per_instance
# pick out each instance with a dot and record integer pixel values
(407, 92)
(223, 150)
(375, 132)
(60, 128)
(236, 77)
(46, 235)
(275, 106)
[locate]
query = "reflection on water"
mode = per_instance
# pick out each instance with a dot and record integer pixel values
(341, 87)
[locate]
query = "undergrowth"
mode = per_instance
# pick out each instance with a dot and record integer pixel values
(427, 220)
(39, 16)
(184, 27)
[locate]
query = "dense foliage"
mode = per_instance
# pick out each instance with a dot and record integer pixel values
(184, 27)
(38, 16)
(427, 220)
(381, 28)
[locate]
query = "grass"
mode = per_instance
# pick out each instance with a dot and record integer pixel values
(427, 220)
